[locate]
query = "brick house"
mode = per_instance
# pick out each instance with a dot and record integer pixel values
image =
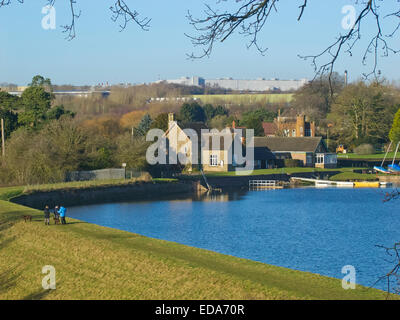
(289, 127)
(311, 151)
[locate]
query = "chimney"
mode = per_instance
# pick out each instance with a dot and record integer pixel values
(234, 124)
(171, 117)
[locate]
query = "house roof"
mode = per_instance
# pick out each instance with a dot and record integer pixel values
(270, 128)
(286, 144)
(263, 154)
(196, 126)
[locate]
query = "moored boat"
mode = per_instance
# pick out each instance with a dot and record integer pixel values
(367, 184)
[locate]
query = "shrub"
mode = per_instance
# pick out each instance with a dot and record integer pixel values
(292, 163)
(364, 148)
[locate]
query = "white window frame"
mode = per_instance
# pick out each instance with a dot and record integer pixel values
(213, 160)
(320, 158)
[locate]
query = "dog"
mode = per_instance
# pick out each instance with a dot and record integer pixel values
(56, 220)
(27, 218)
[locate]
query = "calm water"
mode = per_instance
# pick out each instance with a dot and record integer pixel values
(316, 230)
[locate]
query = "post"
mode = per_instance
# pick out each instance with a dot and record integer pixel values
(3, 147)
(327, 138)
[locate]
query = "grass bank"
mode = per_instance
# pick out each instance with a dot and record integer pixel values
(374, 156)
(278, 171)
(94, 262)
(7, 193)
(352, 176)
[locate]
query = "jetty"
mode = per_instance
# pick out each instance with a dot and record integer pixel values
(264, 184)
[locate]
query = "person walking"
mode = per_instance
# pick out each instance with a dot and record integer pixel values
(56, 215)
(47, 216)
(62, 212)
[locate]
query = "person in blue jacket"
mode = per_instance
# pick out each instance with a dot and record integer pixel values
(62, 212)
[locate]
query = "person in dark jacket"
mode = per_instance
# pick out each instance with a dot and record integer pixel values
(47, 216)
(56, 215)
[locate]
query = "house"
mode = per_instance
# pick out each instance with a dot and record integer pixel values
(311, 151)
(289, 127)
(180, 142)
(215, 151)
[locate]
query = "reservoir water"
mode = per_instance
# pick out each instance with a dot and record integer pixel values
(308, 229)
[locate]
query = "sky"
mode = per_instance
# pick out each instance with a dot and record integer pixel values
(101, 53)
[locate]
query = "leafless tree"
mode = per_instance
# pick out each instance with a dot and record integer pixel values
(392, 278)
(250, 16)
(120, 11)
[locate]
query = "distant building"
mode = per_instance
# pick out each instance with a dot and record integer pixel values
(289, 127)
(257, 85)
(186, 81)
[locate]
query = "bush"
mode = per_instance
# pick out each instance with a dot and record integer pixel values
(292, 163)
(364, 148)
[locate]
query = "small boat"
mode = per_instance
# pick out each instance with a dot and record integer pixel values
(345, 184)
(385, 184)
(394, 168)
(367, 184)
(381, 170)
(322, 185)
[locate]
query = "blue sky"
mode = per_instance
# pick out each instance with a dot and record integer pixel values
(101, 53)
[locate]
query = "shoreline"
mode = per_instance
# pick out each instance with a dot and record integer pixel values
(84, 247)
(206, 274)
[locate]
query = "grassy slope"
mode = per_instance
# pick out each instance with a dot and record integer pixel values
(278, 171)
(94, 262)
(351, 176)
(375, 156)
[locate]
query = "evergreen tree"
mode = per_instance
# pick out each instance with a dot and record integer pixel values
(143, 126)
(394, 133)
(192, 112)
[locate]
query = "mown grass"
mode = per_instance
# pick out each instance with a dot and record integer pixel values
(7, 193)
(94, 262)
(352, 176)
(378, 156)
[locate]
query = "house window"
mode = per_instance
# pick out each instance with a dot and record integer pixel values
(319, 159)
(309, 159)
(213, 160)
(293, 133)
(286, 132)
(307, 133)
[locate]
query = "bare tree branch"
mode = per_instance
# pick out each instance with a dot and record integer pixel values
(120, 10)
(252, 15)
(392, 278)
(249, 18)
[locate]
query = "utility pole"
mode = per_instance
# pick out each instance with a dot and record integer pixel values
(3, 147)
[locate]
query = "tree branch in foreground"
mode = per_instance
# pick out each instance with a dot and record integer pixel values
(120, 11)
